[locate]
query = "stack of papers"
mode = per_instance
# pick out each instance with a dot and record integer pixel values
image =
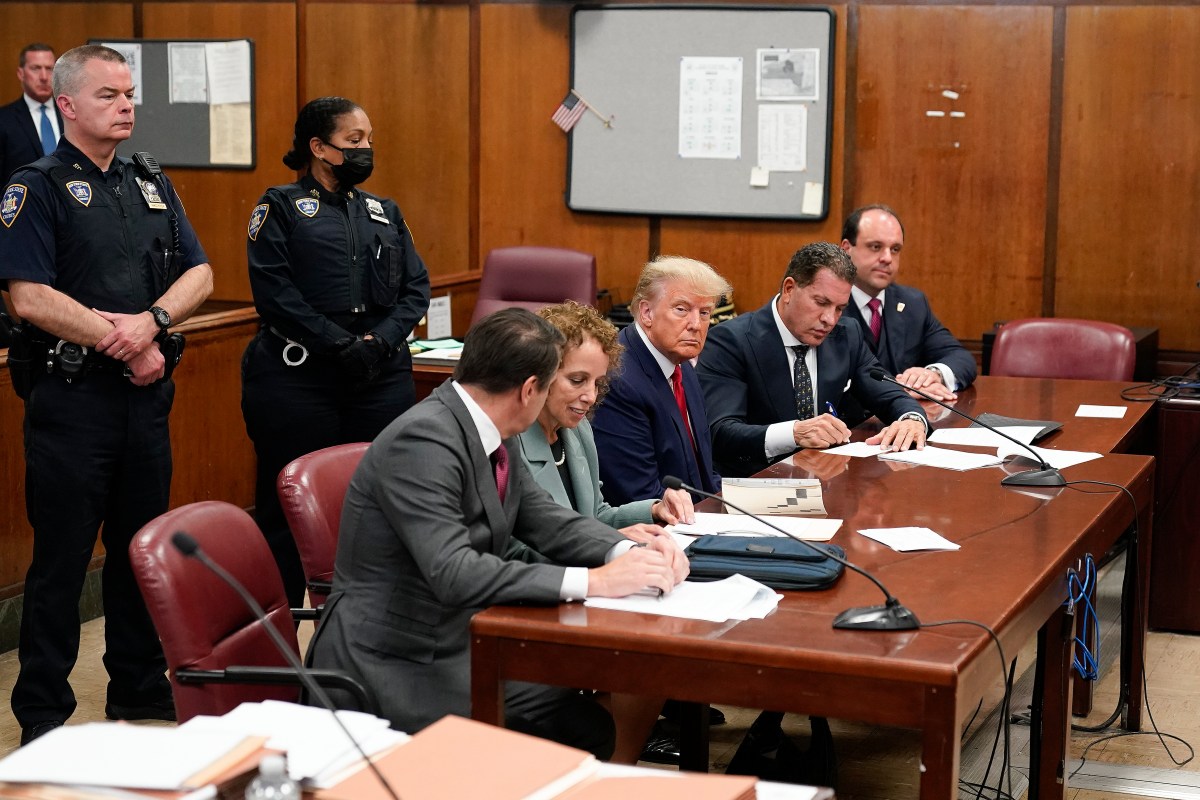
(774, 495)
(318, 750)
(736, 597)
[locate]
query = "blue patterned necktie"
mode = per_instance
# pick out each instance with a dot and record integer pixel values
(803, 383)
(49, 143)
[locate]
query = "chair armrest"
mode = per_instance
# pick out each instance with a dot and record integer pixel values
(281, 676)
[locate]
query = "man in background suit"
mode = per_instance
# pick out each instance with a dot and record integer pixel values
(907, 338)
(642, 431)
(775, 379)
(428, 517)
(20, 135)
(21, 128)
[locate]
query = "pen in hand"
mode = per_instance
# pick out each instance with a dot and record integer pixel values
(649, 591)
(832, 411)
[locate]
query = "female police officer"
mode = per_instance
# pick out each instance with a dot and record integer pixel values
(339, 286)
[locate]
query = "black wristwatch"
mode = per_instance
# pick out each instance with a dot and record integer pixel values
(161, 318)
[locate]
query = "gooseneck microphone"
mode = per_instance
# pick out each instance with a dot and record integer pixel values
(891, 616)
(190, 548)
(1045, 475)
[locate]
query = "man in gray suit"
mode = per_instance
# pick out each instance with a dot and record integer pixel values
(428, 517)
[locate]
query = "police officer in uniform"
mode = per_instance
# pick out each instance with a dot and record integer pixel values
(100, 261)
(339, 285)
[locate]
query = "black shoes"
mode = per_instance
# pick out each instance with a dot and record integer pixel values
(38, 730)
(163, 709)
(663, 745)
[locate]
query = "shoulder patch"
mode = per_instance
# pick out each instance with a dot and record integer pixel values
(308, 206)
(11, 204)
(81, 191)
(257, 217)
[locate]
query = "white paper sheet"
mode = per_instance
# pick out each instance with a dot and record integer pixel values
(942, 458)
(783, 137)
(228, 71)
(982, 437)
(1104, 412)
(905, 540)
(187, 71)
(129, 756)
(710, 107)
(735, 597)
(855, 449)
(1059, 459)
(813, 530)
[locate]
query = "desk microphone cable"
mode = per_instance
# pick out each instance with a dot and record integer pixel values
(1163, 388)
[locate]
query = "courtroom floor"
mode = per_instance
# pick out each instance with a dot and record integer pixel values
(874, 763)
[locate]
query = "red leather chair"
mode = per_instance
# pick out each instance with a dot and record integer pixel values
(534, 277)
(1064, 348)
(218, 653)
(311, 490)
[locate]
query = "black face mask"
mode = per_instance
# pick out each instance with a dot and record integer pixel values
(357, 164)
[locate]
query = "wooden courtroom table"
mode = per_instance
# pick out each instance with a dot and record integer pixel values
(1010, 574)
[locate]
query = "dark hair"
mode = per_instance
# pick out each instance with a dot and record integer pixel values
(506, 348)
(850, 226)
(34, 47)
(318, 118)
(812, 258)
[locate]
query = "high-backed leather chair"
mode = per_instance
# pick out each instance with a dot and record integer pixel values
(311, 490)
(218, 653)
(534, 277)
(1047, 347)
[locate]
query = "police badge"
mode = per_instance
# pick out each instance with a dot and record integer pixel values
(150, 192)
(308, 206)
(81, 191)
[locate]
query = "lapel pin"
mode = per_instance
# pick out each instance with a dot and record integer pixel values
(899, 306)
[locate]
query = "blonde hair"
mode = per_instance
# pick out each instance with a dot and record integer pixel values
(696, 275)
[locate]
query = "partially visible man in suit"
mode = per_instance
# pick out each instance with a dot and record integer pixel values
(21, 137)
(775, 379)
(30, 125)
(896, 320)
(429, 515)
(652, 422)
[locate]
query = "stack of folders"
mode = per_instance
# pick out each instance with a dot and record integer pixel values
(774, 495)
(505, 765)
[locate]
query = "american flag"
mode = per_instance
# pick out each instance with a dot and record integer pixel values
(569, 112)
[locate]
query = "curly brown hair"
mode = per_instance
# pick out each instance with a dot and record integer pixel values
(577, 321)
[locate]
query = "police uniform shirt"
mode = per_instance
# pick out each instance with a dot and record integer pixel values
(322, 262)
(93, 235)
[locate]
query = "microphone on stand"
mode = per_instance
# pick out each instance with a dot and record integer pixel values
(891, 616)
(190, 548)
(1045, 475)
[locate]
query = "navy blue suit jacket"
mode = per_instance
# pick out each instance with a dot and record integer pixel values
(640, 437)
(748, 385)
(20, 141)
(914, 337)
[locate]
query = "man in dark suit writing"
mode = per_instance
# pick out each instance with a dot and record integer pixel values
(896, 320)
(775, 379)
(652, 422)
(429, 515)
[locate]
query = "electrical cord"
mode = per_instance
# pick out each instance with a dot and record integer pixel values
(1006, 675)
(1161, 388)
(1079, 594)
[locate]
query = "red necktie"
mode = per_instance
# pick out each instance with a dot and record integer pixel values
(500, 466)
(681, 402)
(876, 318)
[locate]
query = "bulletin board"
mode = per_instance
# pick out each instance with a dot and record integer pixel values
(194, 101)
(702, 110)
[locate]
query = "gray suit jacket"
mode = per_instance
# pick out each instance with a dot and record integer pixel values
(584, 467)
(420, 550)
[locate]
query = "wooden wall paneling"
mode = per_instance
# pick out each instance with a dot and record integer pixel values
(16, 537)
(971, 190)
(219, 201)
(753, 255)
(60, 25)
(1129, 198)
(409, 71)
(524, 72)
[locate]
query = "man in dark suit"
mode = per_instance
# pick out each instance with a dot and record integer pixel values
(652, 422)
(428, 517)
(21, 136)
(776, 379)
(896, 320)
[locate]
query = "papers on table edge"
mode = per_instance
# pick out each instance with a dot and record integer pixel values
(907, 540)
(813, 530)
(736, 597)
